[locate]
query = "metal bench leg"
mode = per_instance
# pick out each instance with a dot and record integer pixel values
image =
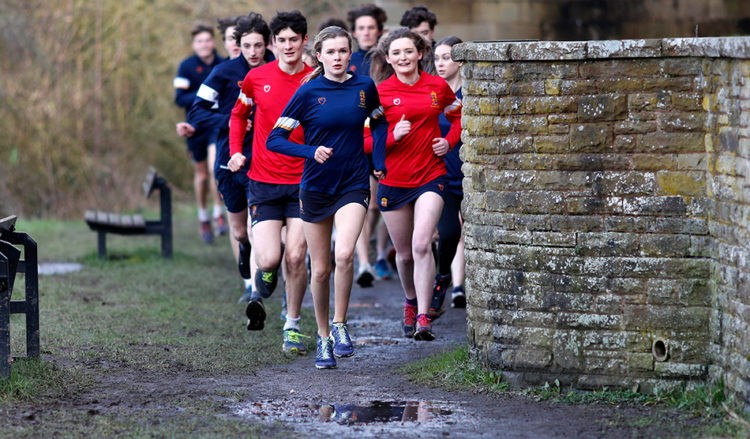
(31, 270)
(101, 244)
(4, 321)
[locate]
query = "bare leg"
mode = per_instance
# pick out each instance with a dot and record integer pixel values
(319, 241)
(296, 268)
(427, 210)
(400, 226)
(349, 220)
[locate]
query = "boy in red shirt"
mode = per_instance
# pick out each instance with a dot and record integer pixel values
(274, 178)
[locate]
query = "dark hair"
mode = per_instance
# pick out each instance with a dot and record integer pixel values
(326, 34)
(226, 23)
(419, 42)
(251, 23)
(293, 20)
(332, 21)
(200, 28)
(380, 70)
(368, 10)
(450, 41)
(416, 15)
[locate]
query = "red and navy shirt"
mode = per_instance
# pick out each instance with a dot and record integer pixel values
(332, 114)
(410, 162)
(267, 89)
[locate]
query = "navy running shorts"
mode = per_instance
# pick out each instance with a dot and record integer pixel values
(317, 206)
(197, 146)
(272, 201)
(393, 198)
(233, 187)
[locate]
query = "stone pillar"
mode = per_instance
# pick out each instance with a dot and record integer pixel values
(607, 210)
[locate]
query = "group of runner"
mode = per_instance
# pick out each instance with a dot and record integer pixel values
(292, 165)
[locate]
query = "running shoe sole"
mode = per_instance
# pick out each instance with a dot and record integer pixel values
(424, 335)
(459, 301)
(256, 315)
(365, 279)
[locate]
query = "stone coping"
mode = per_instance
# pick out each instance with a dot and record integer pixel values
(718, 47)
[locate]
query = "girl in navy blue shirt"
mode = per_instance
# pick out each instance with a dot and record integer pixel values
(335, 189)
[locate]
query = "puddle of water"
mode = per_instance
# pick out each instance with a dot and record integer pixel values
(374, 413)
(50, 268)
(381, 412)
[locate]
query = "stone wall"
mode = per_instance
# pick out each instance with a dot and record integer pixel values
(581, 19)
(607, 210)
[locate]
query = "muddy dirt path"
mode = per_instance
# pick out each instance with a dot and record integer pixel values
(367, 397)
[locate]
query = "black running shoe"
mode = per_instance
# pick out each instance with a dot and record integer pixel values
(256, 314)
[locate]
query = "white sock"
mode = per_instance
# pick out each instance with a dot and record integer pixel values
(203, 215)
(291, 323)
(218, 211)
(248, 282)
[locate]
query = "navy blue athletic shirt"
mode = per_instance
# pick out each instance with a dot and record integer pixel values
(332, 114)
(453, 161)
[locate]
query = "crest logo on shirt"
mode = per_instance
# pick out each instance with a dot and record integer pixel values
(434, 98)
(266, 88)
(321, 100)
(362, 100)
(397, 101)
(384, 202)
(199, 69)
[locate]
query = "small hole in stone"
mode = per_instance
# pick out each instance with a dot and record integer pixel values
(660, 350)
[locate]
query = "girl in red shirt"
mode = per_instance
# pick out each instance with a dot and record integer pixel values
(411, 169)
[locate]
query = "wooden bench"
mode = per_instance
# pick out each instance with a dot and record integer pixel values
(10, 264)
(106, 222)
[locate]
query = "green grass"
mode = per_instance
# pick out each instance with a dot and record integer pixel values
(705, 404)
(139, 314)
(454, 370)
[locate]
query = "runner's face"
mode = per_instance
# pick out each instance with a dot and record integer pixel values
(334, 55)
(366, 32)
(444, 64)
(230, 45)
(253, 48)
(289, 46)
(403, 56)
(424, 30)
(203, 44)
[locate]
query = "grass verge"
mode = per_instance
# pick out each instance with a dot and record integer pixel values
(704, 404)
(117, 325)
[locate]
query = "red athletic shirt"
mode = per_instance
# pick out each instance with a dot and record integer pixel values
(267, 89)
(411, 162)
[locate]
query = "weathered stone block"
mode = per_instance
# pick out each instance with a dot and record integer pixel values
(593, 137)
(603, 107)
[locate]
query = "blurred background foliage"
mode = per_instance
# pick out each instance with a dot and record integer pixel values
(86, 97)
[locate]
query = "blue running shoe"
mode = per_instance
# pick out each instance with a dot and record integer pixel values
(265, 281)
(324, 358)
(439, 288)
(424, 329)
(256, 314)
(342, 343)
(243, 262)
(293, 343)
(382, 270)
(207, 234)
(458, 297)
